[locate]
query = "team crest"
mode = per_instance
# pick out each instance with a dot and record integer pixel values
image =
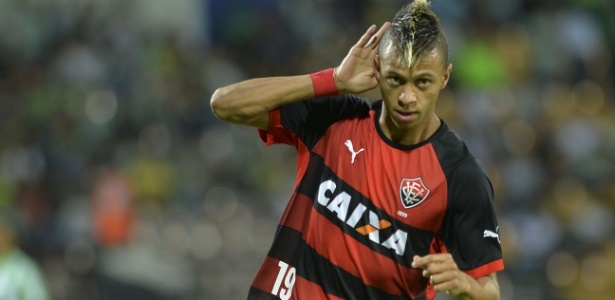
(412, 192)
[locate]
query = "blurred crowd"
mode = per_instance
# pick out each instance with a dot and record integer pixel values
(126, 186)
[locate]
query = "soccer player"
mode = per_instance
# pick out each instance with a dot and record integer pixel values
(388, 202)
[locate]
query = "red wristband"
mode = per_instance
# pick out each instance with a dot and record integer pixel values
(323, 83)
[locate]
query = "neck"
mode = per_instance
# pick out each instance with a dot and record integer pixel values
(410, 136)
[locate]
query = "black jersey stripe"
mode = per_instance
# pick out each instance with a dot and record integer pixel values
(330, 110)
(256, 294)
(319, 270)
(421, 239)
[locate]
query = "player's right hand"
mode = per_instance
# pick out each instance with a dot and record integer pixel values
(357, 72)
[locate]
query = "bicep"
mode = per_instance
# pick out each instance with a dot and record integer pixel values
(489, 281)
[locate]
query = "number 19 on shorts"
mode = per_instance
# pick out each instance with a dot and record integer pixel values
(283, 286)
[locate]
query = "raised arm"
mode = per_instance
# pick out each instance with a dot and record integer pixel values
(249, 102)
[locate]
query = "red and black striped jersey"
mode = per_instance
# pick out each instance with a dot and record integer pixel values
(363, 206)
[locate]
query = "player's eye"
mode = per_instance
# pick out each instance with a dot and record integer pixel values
(423, 83)
(394, 80)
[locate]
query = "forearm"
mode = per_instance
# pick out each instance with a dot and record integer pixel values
(445, 276)
(248, 102)
(484, 288)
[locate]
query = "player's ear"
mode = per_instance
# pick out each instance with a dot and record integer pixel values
(446, 75)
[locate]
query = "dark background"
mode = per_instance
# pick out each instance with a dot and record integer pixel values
(128, 187)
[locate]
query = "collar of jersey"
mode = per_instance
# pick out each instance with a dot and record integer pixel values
(377, 107)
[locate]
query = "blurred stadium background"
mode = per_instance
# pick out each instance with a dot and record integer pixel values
(129, 188)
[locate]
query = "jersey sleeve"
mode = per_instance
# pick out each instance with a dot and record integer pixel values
(470, 229)
(308, 120)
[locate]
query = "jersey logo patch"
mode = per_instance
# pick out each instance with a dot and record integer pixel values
(491, 234)
(377, 230)
(412, 192)
(348, 144)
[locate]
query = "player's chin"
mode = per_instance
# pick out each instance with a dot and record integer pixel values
(404, 126)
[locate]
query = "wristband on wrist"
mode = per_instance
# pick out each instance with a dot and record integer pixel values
(323, 83)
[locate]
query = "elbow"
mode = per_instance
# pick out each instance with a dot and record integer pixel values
(229, 105)
(218, 106)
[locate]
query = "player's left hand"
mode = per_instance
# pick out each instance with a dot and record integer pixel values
(443, 273)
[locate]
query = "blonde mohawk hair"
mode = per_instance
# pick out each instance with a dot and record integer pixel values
(415, 30)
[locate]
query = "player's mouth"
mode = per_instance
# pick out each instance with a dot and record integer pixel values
(406, 115)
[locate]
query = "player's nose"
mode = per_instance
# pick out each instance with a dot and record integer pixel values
(407, 97)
